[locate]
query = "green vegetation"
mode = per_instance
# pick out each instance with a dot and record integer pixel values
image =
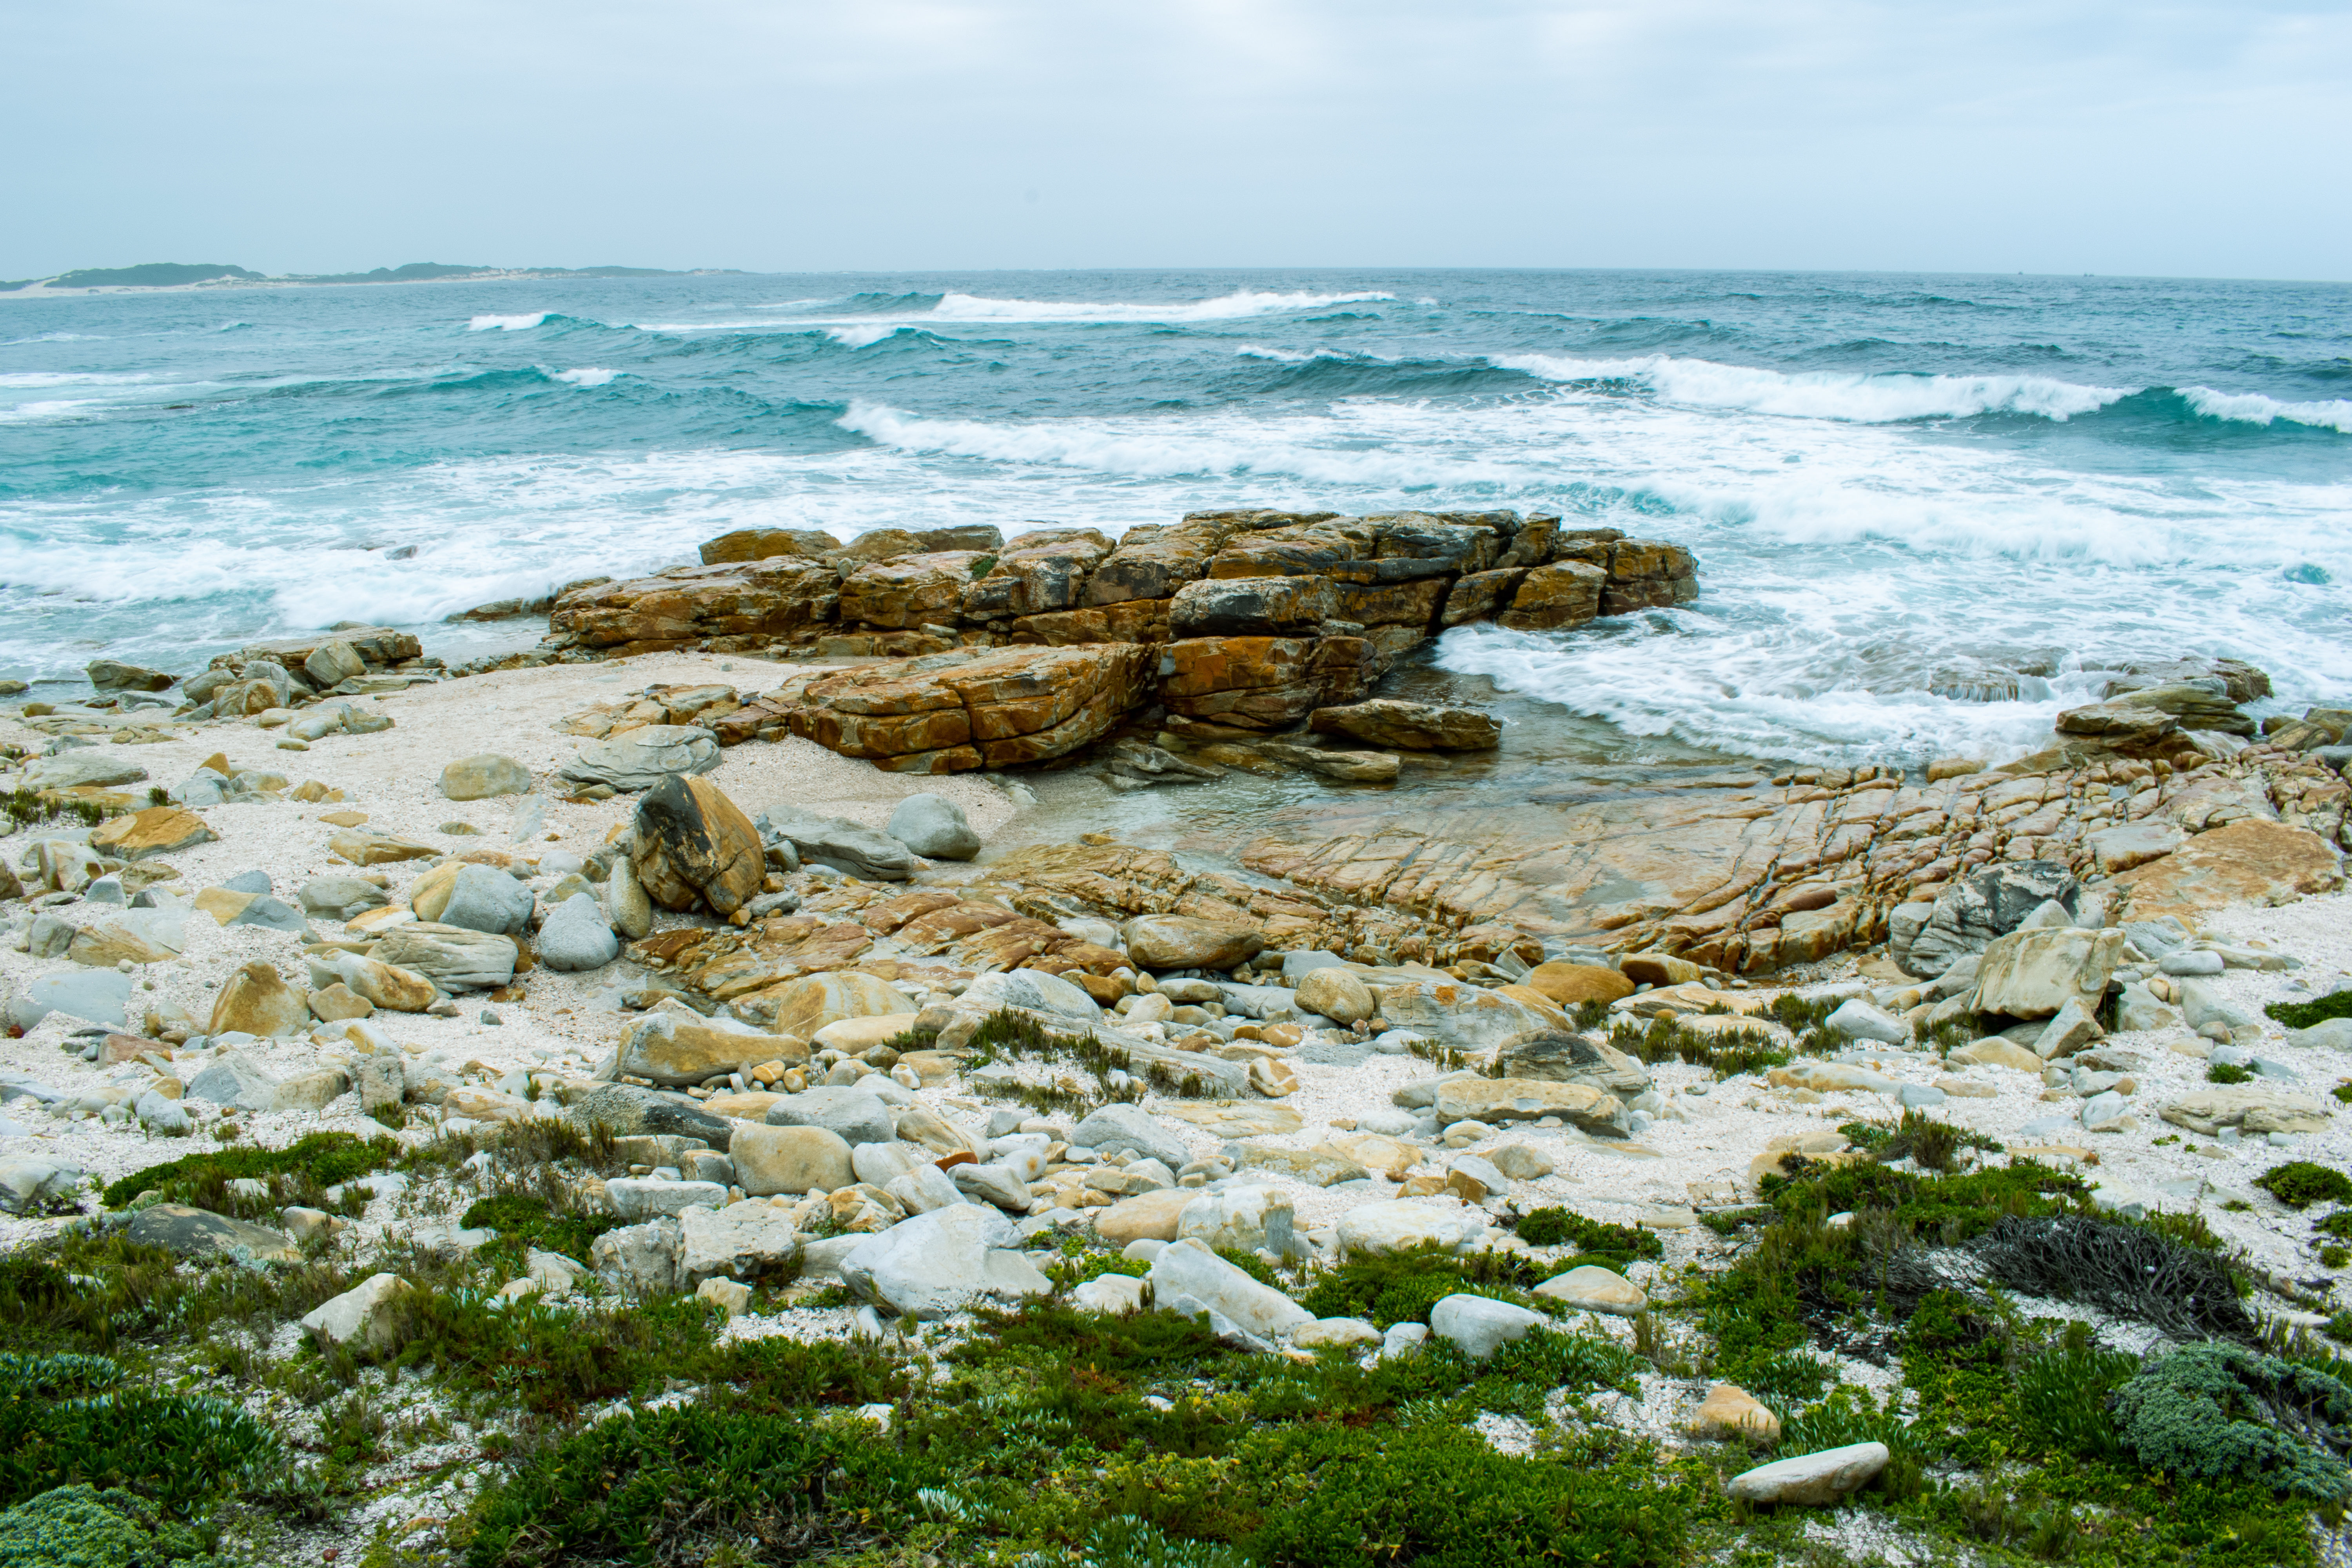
(65, 1420)
(1006, 1036)
(2216, 1411)
(2303, 1015)
(77, 1526)
(1616, 1246)
(2227, 1072)
(2299, 1184)
(1385, 1289)
(300, 1170)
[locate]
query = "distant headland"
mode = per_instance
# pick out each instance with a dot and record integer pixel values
(161, 275)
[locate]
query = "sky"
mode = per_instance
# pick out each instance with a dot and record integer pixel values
(2197, 138)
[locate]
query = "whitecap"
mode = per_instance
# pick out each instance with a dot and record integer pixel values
(1239, 304)
(2254, 408)
(70, 378)
(506, 324)
(862, 335)
(587, 375)
(1860, 399)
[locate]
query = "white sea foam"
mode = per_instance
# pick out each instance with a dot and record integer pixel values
(50, 408)
(2254, 408)
(864, 333)
(1285, 356)
(1240, 304)
(506, 324)
(587, 375)
(69, 378)
(1824, 395)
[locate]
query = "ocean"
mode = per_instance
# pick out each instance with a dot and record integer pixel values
(1919, 503)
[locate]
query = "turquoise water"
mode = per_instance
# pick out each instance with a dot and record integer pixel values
(1919, 502)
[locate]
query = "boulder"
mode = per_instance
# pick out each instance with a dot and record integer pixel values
(924, 588)
(1994, 1051)
(2033, 973)
(575, 938)
(450, 956)
(1812, 1479)
(144, 835)
(1322, 1166)
(1480, 1327)
(384, 985)
(2070, 1029)
(758, 543)
(1338, 994)
(641, 758)
(992, 1184)
(484, 899)
(639, 1260)
(1572, 984)
(638, 1198)
(1970, 911)
(257, 1001)
(30, 1184)
(1564, 593)
(1449, 1012)
(1262, 683)
(113, 675)
(802, 1007)
(627, 1111)
(100, 996)
(1115, 1293)
(1558, 1055)
(1592, 1288)
(132, 936)
(1240, 1219)
(741, 1241)
(1499, 1101)
(626, 904)
(922, 1189)
(1147, 1217)
(1338, 1333)
(847, 847)
(692, 845)
(1128, 1130)
(1252, 606)
(2252, 861)
(1033, 990)
(1400, 1224)
(361, 848)
(941, 1263)
(368, 1313)
(1181, 941)
(1188, 1278)
(1413, 726)
(933, 827)
(676, 1052)
(2250, 1108)
(311, 1091)
(76, 768)
(484, 776)
(949, 712)
(199, 1233)
(852, 1114)
(1730, 1411)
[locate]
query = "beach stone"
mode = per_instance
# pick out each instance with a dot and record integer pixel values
(144, 835)
(230, 907)
(1147, 1217)
(452, 957)
(941, 1263)
(1252, 606)
(114, 674)
(879, 1164)
(854, 1115)
(1569, 985)
(1970, 912)
(1498, 1101)
(73, 770)
(1730, 1411)
(1812, 1479)
(806, 1005)
(676, 1052)
(1480, 1326)
(790, 1158)
(933, 827)
(1241, 1219)
(693, 844)
(731, 1299)
(369, 1313)
(1187, 1277)
(1181, 941)
(1128, 1130)
(312, 1091)
(1234, 1119)
(31, 1183)
(1994, 1051)
(1401, 1223)
(2138, 1010)
(922, 1189)
(1592, 1288)
(2328, 1034)
(382, 1082)
(484, 776)
(992, 1184)
(640, 759)
(484, 899)
(159, 1114)
(1451, 1013)
(1390, 1158)
(2071, 1029)
(639, 1261)
(1341, 1333)
(637, 1199)
(742, 1241)
(2188, 961)
(627, 1110)
(384, 985)
(257, 1001)
(1033, 989)
(631, 912)
(2033, 973)
(1561, 1055)
(1415, 726)
(187, 1231)
(574, 937)
(2251, 861)
(2250, 1108)
(852, 848)
(1518, 1163)
(1338, 994)
(1115, 1293)
(1857, 1019)
(100, 996)
(132, 936)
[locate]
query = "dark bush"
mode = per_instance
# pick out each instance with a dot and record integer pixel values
(1600, 1241)
(1390, 1288)
(2299, 1184)
(2129, 1269)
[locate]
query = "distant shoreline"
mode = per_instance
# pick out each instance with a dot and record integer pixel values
(65, 286)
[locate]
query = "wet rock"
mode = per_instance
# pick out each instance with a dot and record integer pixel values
(1564, 593)
(1415, 726)
(1262, 683)
(1131, 764)
(113, 675)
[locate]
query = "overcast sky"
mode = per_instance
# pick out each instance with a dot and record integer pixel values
(2197, 138)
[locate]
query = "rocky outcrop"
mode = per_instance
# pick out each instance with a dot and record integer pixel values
(954, 711)
(732, 607)
(1415, 726)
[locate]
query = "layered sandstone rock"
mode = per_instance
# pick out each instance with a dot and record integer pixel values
(954, 711)
(1262, 683)
(732, 606)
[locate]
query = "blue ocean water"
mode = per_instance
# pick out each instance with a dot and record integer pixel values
(1920, 503)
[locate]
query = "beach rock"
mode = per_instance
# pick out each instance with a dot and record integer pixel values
(1241, 1219)
(199, 1233)
(1147, 1217)
(1338, 994)
(384, 985)
(948, 712)
(1322, 1166)
(1592, 1288)
(1188, 1278)
(1997, 1052)
(113, 675)
(992, 1184)
(1128, 1130)
(361, 848)
(852, 1114)
(1480, 1326)
(2122, 847)
(639, 1261)
(1970, 911)
(1451, 1013)
(2033, 973)
(1500, 1100)
(31, 1184)
(749, 598)
(933, 827)
(630, 911)
(2250, 1108)
(1113, 1294)
(676, 1052)
(741, 1241)
(1252, 606)
(802, 1007)
(483, 899)
(368, 1313)
(2250, 861)
(575, 938)
(791, 1158)
(99, 996)
(311, 1091)
(1556, 1055)
(627, 1111)
(1521, 1163)
(758, 543)
(342, 897)
(1415, 726)
(1572, 984)
(383, 1082)
(637, 1199)
(923, 588)
(484, 776)
(1730, 1411)
(692, 844)
(452, 957)
(257, 1001)
(1812, 1479)
(131, 936)
(847, 847)
(1180, 941)
(1399, 1224)
(640, 759)
(144, 835)
(922, 1189)
(73, 770)
(1355, 767)
(944, 1262)
(1564, 593)
(1262, 683)
(2070, 1029)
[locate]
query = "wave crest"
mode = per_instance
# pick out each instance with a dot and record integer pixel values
(1239, 304)
(1863, 399)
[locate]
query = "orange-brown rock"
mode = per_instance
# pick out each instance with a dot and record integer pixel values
(952, 711)
(1565, 593)
(1647, 574)
(1262, 683)
(1252, 606)
(1416, 726)
(1415, 604)
(908, 589)
(1569, 985)
(2248, 861)
(693, 844)
(1152, 561)
(762, 544)
(158, 830)
(1046, 569)
(758, 599)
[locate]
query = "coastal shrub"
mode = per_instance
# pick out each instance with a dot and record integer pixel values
(2303, 1015)
(2227, 1072)
(548, 1357)
(1136, 1344)
(1725, 1055)
(1127, 1542)
(2219, 1412)
(528, 1222)
(1438, 1496)
(2131, 1270)
(80, 1527)
(2062, 1396)
(319, 1160)
(65, 1420)
(1615, 1245)
(1390, 1288)
(2299, 1184)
